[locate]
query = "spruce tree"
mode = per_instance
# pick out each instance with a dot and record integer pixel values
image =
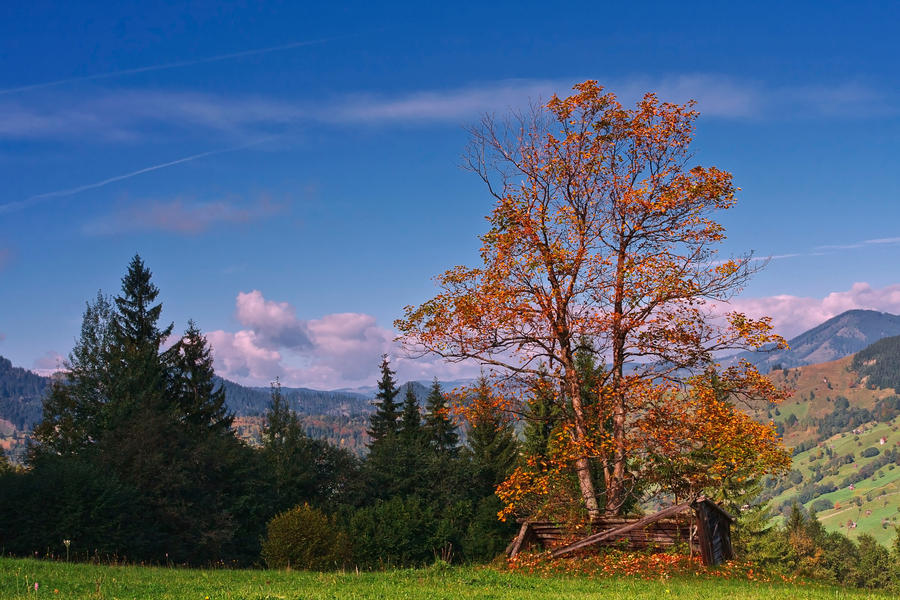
(440, 430)
(73, 409)
(541, 418)
(199, 396)
(138, 372)
(384, 422)
(492, 442)
(410, 419)
(154, 421)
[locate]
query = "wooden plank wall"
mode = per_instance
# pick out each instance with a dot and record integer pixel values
(661, 534)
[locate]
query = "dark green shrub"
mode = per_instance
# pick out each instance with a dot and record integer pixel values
(304, 538)
(822, 504)
(870, 452)
(394, 533)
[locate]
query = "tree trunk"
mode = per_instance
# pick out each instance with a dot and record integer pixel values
(582, 464)
(615, 483)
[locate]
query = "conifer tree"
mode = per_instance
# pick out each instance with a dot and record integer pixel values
(541, 418)
(73, 409)
(384, 422)
(200, 398)
(492, 441)
(138, 372)
(410, 419)
(440, 430)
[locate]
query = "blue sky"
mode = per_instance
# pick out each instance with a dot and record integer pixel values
(290, 173)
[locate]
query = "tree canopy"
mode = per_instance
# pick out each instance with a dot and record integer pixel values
(603, 239)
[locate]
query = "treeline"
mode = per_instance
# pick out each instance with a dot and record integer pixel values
(254, 401)
(845, 417)
(135, 460)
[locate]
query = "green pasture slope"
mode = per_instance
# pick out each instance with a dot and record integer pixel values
(79, 581)
(874, 503)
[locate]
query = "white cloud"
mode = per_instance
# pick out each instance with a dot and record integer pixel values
(239, 356)
(126, 115)
(275, 324)
(792, 315)
(334, 351)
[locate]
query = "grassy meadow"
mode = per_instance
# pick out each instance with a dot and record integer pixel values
(83, 581)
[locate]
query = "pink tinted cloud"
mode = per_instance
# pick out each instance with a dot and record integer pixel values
(239, 356)
(334, 351)
(793, 315)
(274, 323)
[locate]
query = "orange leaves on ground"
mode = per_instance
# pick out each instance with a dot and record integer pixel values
(643, 565)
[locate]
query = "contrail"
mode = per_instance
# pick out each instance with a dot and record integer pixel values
(21, 204)
(173, 65)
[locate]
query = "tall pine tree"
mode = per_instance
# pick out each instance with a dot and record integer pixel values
(384, 422)
(492, 441)
(439, 429)
(410, 418)
(199, 396)
(154, 420)
(73, 409)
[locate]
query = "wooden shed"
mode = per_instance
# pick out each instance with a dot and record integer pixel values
(700, 523)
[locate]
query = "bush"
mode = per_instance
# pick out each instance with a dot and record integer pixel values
(822, 504)
(870, 452)
(304, 538)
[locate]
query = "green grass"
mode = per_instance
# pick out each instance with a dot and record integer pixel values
(79, 581)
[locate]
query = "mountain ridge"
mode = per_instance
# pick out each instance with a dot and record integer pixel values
(840, 336)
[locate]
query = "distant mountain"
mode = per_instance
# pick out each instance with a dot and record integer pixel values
(340, 416)
(421, 387)
(840, 336)
(253, 401)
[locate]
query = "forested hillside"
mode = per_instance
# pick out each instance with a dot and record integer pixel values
(878, 366)
(20, 395)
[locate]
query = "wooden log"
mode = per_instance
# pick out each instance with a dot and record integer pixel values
(520, 539)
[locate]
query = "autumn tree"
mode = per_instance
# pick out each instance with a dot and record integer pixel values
(603, 238)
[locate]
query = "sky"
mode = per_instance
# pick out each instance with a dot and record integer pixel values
(291, 173)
